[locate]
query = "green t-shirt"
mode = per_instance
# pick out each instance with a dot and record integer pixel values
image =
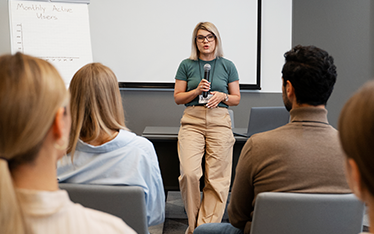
(222, 73)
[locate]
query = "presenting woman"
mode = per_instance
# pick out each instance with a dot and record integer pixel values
(206, 125)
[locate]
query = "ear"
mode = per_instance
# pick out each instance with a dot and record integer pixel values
(354, 179)
(61, 125)
(290, 90)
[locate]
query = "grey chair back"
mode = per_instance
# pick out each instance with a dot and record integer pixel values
(262, 119)
(231, 112)
(297, 213)
(125, 202)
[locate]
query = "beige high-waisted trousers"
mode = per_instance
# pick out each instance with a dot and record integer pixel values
(208, 131)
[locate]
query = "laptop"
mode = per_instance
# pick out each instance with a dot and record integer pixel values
(263, 119)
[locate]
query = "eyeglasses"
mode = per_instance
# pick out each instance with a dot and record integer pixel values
(209, 38)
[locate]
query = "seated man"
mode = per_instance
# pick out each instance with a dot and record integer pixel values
(302, 156)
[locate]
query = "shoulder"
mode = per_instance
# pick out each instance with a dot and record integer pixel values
(132, 139)
(140, 141)
(65, 216)
(188, 62)
(185, 68)
(65, 161)
(229, 67)
(226, 62)
(101, 222)
(274, 138)
(274, 133)
(142, 146)
(261, 142)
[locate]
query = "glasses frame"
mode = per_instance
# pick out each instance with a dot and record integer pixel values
(205, 38)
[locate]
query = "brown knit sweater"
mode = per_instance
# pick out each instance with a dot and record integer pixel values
(303, 156)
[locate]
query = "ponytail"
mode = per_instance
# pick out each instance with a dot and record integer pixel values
(11, 220)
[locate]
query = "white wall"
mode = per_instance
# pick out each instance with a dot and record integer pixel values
(276, 39)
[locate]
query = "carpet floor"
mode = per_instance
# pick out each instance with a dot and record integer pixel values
(175, 216)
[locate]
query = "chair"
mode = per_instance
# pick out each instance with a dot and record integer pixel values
(262, 119)
(267, 118)
(296, 213)
(231, 112)
(125, 202)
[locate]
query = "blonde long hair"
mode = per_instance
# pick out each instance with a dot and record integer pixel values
(96, 104)
(31, 91)
(210, 27)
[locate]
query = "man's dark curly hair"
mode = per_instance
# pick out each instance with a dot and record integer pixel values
(311, 72)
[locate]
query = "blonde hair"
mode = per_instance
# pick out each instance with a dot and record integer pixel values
(218, 52)
(356, 131)
(31, 91)
(96, 104)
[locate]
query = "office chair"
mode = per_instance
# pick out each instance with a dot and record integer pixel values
(267, 118)
(300, 213)
(231, 112)
(125, 202)
(262, 119)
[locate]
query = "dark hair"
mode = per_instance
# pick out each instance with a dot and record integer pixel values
(311, 72)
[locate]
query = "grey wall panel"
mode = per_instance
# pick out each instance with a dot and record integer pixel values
(345, 30)
(157, 108)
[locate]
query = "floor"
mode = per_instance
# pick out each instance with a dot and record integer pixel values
(175, 216)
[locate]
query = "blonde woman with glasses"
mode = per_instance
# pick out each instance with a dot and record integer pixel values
(35, 125)
(356, 131)
(101, 149)
(206, 125)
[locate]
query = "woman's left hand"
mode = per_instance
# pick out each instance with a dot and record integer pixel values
(216, 99)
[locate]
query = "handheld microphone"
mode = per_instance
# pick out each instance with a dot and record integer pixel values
(206, 76)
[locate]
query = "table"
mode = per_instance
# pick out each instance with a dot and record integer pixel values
(165, 141)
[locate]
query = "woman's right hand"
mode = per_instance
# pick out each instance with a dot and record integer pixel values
(204, 86)
(181, 96)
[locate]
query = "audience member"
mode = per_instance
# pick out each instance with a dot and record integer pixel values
(35, 125)
(303, 156)
(101, 149)
(356, 131)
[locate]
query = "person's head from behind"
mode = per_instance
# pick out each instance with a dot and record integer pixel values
(356, 132)
(209, 29)
(34, 121)
(31, 93)
(96, 104)
(311, 73)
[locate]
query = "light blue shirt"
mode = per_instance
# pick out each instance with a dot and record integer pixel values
(128, 159)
